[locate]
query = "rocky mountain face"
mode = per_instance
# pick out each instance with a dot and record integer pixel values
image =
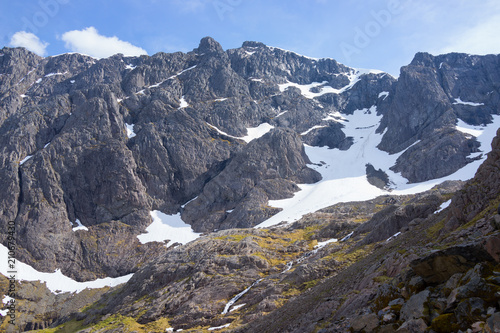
(214, 135)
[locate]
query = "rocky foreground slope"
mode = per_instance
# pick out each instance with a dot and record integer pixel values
(105, 142)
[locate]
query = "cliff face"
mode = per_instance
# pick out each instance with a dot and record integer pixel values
(105, 142)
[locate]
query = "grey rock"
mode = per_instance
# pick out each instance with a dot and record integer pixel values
(416, 307)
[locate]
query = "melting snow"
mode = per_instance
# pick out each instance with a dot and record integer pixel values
(347, 237)
(236, 307)
(189, 202)
(181, 72)
(56, 282)
(184, 104)
(25, 159)
(6, 299)
(80, 226)
(323, 244)
(130, 130)
(168, 227)
(463, 127)
(237, 297)
(253, 132)
(459, 101)
(443, 206)
(313, 128)
(383, 94)
(257, 132)
(393, 236)
(281, 113)
(218, 327)
(53, 74)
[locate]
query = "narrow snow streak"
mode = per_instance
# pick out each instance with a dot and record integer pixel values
(25, 159)
(443, 206)
(219, 327)
(459, 101)
(237, 297)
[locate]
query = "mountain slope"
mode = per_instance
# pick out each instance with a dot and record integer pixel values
(217, 136)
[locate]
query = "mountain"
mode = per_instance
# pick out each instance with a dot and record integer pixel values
(108, 164)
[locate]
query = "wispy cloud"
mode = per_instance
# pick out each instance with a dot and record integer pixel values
(29, 41)
(482, 38)
(89, 41)
(191, 5)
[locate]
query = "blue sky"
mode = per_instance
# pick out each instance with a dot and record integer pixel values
(377, 34)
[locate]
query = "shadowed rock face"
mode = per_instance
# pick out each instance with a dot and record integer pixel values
(70, 114)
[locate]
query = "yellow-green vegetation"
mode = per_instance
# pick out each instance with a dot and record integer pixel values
(445, 323)
(124, 324)
(490, 210)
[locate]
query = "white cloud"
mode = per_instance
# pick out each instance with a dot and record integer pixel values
(29, 41)
(89, 41)
(480, 39)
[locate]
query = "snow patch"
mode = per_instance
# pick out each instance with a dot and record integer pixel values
(459, 101)
(256, 132)
(257, 80)
(80, 226)
(463, 127)
(443, 206)
(281, 113)
(323, 244)
(237, 297)
(383, 94)
(72, 81)
(130, 130)
(130, 67)
(168, 227)
(54, 74)
(189, 202)
(218, 327)
(252, 132)
(313, 128)
(56, 282)
(393, 236)
(24, 96)
(39, 80)
(25, 159)
(220, 99)
(181, 72)
(6, 299)
(237, 307)
(184, 103)
(347, 237)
